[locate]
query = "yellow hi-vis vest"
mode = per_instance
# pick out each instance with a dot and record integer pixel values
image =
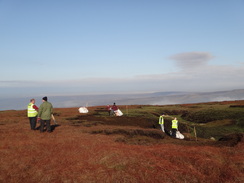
(174, 124)
(31, 112)
(161, 120)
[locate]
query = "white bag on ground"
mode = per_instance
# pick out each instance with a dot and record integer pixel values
(83, 110)
(179, 135)
(118, 113)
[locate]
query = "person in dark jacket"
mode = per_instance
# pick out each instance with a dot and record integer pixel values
(44, 114)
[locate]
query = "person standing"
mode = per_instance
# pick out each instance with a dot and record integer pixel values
(161, 122)
(45, 113)
(174, 127)
(32, 112)
(114, 109)
(109, 109)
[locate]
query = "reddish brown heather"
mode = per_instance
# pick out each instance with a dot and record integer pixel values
(70, 154)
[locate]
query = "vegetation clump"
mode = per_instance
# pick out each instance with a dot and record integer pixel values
(208, 115)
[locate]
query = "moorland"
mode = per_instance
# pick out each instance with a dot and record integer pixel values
(96, 147)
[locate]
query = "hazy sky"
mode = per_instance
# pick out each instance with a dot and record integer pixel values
(54, 47)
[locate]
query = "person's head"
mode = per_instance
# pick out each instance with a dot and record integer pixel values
(32, 100)
(44, 98)
(114, 104)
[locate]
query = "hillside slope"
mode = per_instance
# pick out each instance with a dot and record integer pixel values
(95, 147)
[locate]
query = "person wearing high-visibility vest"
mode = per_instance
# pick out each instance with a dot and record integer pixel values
(161, 122)
(32, 113)
(174, 127)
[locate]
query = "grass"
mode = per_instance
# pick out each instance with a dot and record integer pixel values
(116, 149)
(214, 119)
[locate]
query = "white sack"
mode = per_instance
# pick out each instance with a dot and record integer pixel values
(179, 135)
(118, 113)
(83, 110)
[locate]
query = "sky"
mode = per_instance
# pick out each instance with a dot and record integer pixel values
(69, 47)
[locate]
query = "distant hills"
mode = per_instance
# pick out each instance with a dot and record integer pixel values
(196, 97)
(156, 98)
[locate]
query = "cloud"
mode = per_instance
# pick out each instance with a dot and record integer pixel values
(191, 59)
(204, 78)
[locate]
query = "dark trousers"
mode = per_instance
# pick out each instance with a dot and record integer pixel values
(47, 123)
(32, 122)
(174, 132)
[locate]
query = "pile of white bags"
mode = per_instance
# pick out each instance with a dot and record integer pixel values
(179, 135)
(118, 113)
(83, 110)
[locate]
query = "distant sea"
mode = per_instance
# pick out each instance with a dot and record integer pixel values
(156, 98)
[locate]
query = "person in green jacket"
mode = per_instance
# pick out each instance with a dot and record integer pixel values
(44, 114)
